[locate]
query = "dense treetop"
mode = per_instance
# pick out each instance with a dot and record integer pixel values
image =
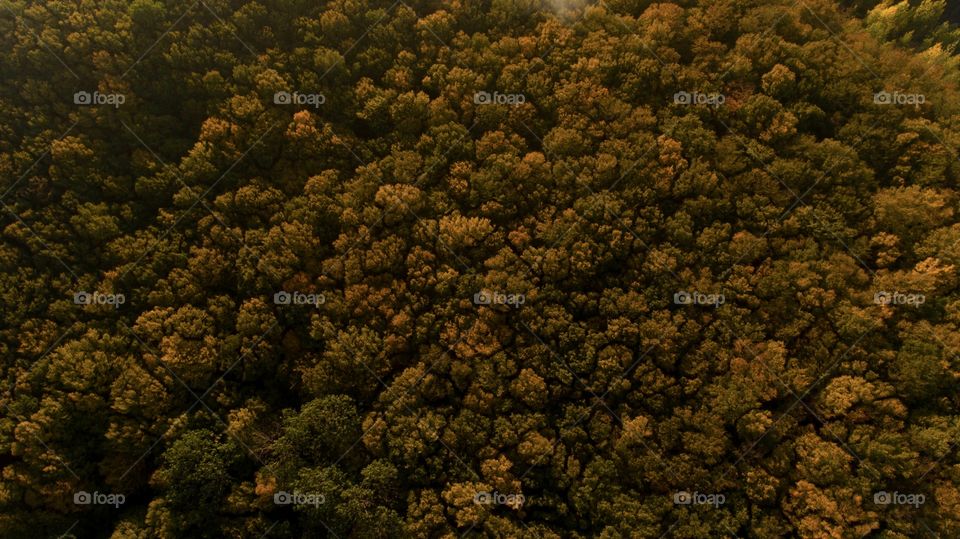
(401, 254)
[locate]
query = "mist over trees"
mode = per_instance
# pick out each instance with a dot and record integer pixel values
(506, 268)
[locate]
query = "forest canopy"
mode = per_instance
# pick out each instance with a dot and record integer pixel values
(505, 268)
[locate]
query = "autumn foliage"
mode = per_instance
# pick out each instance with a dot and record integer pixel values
(501, 268)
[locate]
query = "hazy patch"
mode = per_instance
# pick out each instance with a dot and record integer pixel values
(567, 7)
